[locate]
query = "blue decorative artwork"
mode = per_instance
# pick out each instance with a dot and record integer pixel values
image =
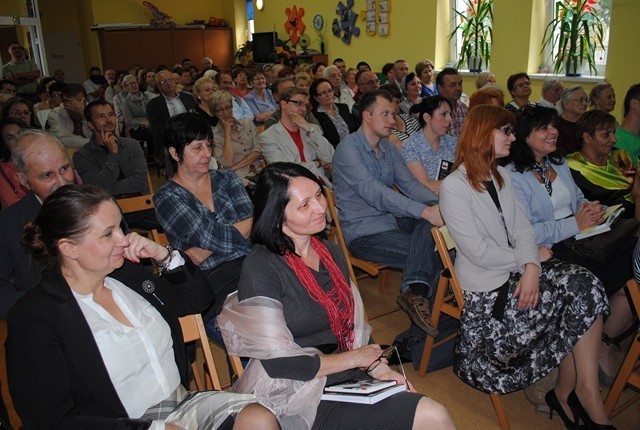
(344, 26)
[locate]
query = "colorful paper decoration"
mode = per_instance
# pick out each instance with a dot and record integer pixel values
(344, 27)
(377, 17)
(294, 25)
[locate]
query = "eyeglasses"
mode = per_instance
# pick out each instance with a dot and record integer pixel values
(522, 85)
(297, 102)
(325, 93)
(129, 84)
(387, 353)
(581, 100)
(15, 113)
(507, 130)
(167, 81)
(225, 109)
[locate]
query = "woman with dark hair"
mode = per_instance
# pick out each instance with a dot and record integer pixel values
(241, 80)
(524, 312)
(430, 153)
(100, 336)
(205, 213)
(19, 108)
(260, 99)
(301, 322)
(519, 85)
(557, 210)
(363, 65)
(334, 118)
(317, 70)
(11, 188)
(405, 125)
(413, 87)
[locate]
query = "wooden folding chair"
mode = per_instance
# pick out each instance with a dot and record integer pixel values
(626, 374)
(136, 204)
(193, 330)
(370, 268)
(160, 238)
(449, 300)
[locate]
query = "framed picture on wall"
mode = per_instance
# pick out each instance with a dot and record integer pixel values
(383, 29)
(383, 6)
(371, 4)
(383, 18)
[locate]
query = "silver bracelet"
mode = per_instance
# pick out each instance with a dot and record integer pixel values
(166, 261)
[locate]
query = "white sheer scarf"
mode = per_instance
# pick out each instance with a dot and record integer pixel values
(256, 328)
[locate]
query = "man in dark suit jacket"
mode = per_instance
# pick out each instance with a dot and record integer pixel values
(159, 109)
(43, 166)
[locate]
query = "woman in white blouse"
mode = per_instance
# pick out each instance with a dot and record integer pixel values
(98, 343)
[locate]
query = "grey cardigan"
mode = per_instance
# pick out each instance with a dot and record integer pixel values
(485, 260)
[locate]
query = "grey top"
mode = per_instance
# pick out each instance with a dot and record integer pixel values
(363, 180)
(267, 274)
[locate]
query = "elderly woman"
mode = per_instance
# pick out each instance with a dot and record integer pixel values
(202, 90)
(524, 313)
(302, 323)
(519, 85)
(235, 141)
(430, 154)
(485, 79)
(603, 97)
(413, 87)
(552, 90)
(99, 336)
(19, 108)
(350, 83)
(424, 71)
(557, 210)
(12, 188)
(260, 99)
(205, 213)
(404, 124)
(241, 79)
(334, 118)
(134, 112)
(574, 104)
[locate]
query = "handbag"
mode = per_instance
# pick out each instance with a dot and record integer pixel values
(601, 246)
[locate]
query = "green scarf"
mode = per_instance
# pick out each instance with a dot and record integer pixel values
(609, 177)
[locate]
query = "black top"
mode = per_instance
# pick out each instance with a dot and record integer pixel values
(330, 131)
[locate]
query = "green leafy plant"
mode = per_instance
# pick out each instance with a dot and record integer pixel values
(576, 30)
(475, 30)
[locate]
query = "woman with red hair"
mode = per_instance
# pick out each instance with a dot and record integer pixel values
(524, 313)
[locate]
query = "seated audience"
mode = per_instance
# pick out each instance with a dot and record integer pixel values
(134, 111)
(349, 82)
(95, 85)
(486, 96)
(279, 85)
(302, 80)
(383, 225)
(557, 210)
(333, 75)
(240, 78)
(404, 125)
(603, 97)
(449, 84)
(628, 134)
(430, 153)
(413, 88)
(387, 72)
(485, 79)
(295, 140)
(150, 84)
(334, 118)
(400, 71)
(205, 213)
(240, 107)
(95, 309)
(185, 78)
(67, 122)
(286, 73)
(574, 104)
(363, 66)
(11, 188)
(260, 99)
(43, 93)
(602, 172)
(115, 88)
(367, 82)
(19, 108)
(424, 71)
(202, 90)
(552, 90)
(267, 69)
(519, 85)
(524, 312)
(297, 286)
(317, 71)
(235, 141)
(43, 167)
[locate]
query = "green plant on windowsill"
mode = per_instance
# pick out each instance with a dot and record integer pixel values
(576, 31)
(477, 35)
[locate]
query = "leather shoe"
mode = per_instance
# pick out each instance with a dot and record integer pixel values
(419, 311)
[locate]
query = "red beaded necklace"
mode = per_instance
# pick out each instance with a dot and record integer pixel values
(338, 302)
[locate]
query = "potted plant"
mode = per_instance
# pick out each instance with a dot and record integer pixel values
(476, 33)
(244, 54)
(576, 30)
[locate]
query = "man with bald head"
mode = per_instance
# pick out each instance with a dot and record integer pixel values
(43, 166)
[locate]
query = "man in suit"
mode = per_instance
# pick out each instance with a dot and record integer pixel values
(43, 167)
(160, 109)
(294, 140)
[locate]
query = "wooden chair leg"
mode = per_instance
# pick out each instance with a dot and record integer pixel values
(435, 318)
(497, 406)
(384, 280)
(623, 376)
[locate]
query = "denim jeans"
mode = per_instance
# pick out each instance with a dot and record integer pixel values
(410, 248)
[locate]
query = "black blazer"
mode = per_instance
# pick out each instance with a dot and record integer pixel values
(330, 131)
(56, 374)
(18, 271)
(158, 114)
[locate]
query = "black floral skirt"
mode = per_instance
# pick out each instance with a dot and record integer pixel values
(508, 355)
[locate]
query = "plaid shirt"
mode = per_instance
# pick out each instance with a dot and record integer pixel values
(458, 115)
(188, 223)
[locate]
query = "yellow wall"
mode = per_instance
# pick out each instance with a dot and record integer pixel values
(13, 8)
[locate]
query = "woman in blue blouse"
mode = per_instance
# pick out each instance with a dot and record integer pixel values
(260, 99)
(205, 213)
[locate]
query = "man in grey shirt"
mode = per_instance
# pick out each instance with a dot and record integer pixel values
(383, 225)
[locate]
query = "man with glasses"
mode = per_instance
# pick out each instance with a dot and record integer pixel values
(519, 85)
(333, 75)
(279, 85)
(449, 83)
(161, 109)
(22, 71)
(400, 71)
(552, 90)
(295, 140)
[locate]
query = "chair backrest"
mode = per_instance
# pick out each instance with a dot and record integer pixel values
(136, 204)
(445, 243)
(331, 205)
(160, 238)
(193, 330)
